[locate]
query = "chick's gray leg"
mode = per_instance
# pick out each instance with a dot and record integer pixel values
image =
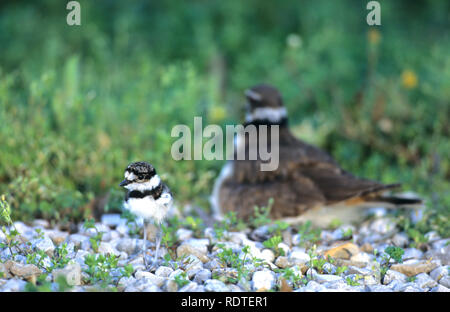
(159, 235)
(144, 245)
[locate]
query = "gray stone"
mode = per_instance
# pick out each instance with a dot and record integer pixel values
(112, 220)
(439, 272)
(163, 271)
(299, 257)
(196, 247)
(383, 226)
(340, 232)
(112, 235)
(27, 271)
(296, 239)
(327, 278)
(378, 288)
(202, 275)
(80, 241)
(190, 287)
(212, 265)
(371, 280)
(423, 280)
(263, 280)
(267, 255)
(412, 253)
(125, 282)
(157, 280)
(261, 233)
(142, 285)
(282, 262)
(237, 237)
(440, 288)
(14, 285)
(213, 285)
(313, 286)
(441, 243)
(362, 257)
(184, 234)
(392, 275)
(360, 271)
(445, 281)
(442, 254)
(414, 267)
(220, 246)
(235, 288)
(57, 236)
(171, 285)
(105, 248)
(329, 268)
(4, 271)
(128, 245)
(44, 244)
(25, 231)
(71, 273)
(410, 287)
(400, 240)
(432, 236)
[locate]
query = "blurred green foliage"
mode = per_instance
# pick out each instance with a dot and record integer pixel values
(77, 104)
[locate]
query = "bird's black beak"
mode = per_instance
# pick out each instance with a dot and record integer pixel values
(124, 182)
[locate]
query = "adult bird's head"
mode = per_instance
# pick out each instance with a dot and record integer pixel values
(264, 105)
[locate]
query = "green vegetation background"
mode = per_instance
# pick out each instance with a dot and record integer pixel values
(77, 104)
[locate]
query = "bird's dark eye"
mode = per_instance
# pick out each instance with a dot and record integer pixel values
(140, 177)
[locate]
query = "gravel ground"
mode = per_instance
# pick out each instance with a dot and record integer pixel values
(356, 262)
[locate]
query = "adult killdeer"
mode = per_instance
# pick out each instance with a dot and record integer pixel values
(147, 198)
(308, 184)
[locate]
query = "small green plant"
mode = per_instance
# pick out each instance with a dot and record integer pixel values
(181, 279)
(353, 281)
(127, 270)
(341, 269)
(347, 234)
(261, 215)
(195, 224)
(96, 239)
(418, 238)
(233, 260)
(42, 285)
(411, 278)
(99, 268)
(278, 227)
(12, 234)
(334, 224)
(60, 259)
(395, 253)
(308, 234)
(229, 223)
(294, 278)
(169, 238)
(391, 252)
(272, 243)
(317, 261)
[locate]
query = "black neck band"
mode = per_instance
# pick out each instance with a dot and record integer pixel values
(265, 122)
(155, 193)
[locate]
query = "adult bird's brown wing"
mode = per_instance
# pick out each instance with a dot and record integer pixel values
(307, 177)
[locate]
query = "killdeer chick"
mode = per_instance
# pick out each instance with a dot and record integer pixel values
(308, 183)
(148, 198)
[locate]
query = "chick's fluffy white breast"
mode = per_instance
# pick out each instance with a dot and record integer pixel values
(148, 208)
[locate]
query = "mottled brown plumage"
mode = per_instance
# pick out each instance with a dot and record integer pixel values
(306, 178)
